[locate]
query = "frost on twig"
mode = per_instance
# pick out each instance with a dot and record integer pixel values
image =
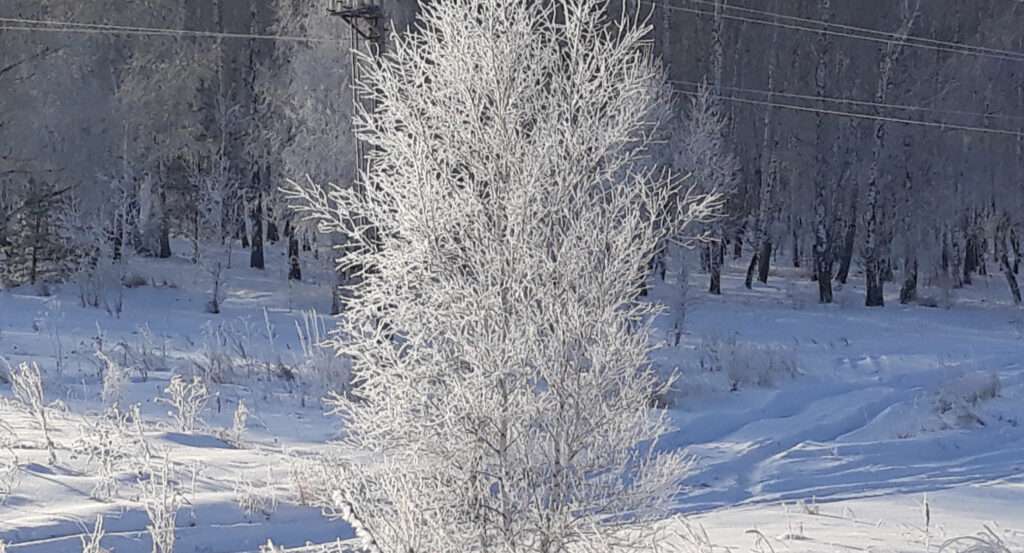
(239, 421)
(91, 541)
(108, 444)
(161, 498)
(27, 383)
(10, 474)
(114, 378)
(188, 398)
(256, 497)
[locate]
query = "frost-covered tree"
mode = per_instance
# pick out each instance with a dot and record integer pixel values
(317, 102)
(157, 98)
(703, 153)
(499, 354)
(33, 249)
(872, 254)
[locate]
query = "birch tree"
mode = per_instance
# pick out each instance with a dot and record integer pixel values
(500, 358)
(761, 260)
(872, 254)
(823, 238)
(704, 155)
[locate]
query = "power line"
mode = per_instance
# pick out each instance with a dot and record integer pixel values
(957, 50)
(54, 26)
(832, 99)
(897, 36)
(93, 28)
(839, 113)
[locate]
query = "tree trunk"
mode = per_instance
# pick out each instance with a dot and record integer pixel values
(873, 284)
(295, 268)
(769, 170)
(872, 258)
(149, 218)
(195, 232)
(956, 258)
(716, 257)
(749, 281)
(970, 258)
(256, 251)
(737, 243)
(1011, 278)
(273, 236)
(1003, 232)
(849, 243)
(243, 229)
(797, 254)
(908, 292)
(764, 261)
(165, 226)
(37, 232)
(1015, 246)
(874, 294)
(823, 246)
(118, 237)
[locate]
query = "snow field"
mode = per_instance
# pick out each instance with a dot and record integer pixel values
(811, 428)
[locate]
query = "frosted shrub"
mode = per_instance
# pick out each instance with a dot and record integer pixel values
(215, 361)
(161, 499)
(227, 348)
(239, 421)
(255, 498)
(744, 365)
(150, 353)
(96, 273)
(107, 445)
(269, 547)
(91, 542)
(10, 474)
(91, 280)
(188, 398)
(27, 383)
(114, 377)
(313, 482)
(497, 244)
(7, 434)
(986, 541)
(318, 362)
(134, 280)
(958, 399)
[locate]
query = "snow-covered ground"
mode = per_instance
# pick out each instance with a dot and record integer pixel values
(813, 428)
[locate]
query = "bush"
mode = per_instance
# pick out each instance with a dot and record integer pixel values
(27, 382)
(10, 474)
(188, 400)
(727, 364)
(134, 280)
(958, 399)
(161, 499)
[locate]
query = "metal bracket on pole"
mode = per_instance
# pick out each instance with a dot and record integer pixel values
(362, 16)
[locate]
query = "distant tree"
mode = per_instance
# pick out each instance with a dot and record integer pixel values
(703, 153)
(33, 250)
(318, 108)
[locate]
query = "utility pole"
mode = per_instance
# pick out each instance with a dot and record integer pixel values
(366, 18)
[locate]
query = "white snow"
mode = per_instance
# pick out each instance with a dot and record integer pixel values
(889, 410)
